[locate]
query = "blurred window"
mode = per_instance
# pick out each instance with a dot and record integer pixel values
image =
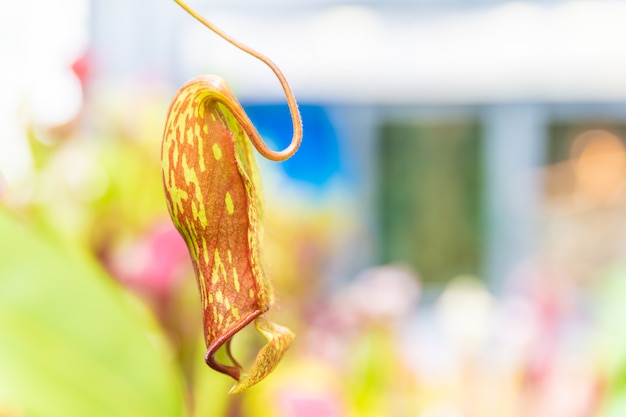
(430, 197)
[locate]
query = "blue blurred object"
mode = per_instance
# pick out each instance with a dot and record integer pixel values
(318, 159)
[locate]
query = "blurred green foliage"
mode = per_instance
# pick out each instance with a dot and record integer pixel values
(72, 342)
(611, 354)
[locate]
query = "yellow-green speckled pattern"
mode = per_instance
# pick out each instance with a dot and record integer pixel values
(212, 190)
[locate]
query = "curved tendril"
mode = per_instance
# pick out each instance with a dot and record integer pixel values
(291, 100)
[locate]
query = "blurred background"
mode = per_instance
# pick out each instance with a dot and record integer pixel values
(449, 241)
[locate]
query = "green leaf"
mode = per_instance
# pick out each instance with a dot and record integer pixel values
(72, 342)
